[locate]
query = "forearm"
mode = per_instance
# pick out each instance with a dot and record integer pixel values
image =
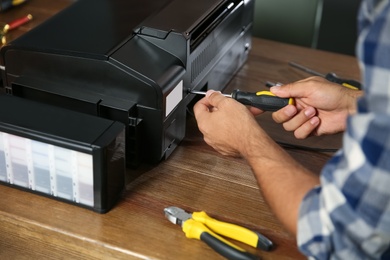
(282, 180)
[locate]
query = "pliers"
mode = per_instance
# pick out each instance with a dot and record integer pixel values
(199, 225)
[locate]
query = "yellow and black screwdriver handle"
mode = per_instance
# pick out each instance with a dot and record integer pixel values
(264, 100)
(348, 83)
(205, 228)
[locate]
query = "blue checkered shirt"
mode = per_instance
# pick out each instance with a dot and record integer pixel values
(348, 215)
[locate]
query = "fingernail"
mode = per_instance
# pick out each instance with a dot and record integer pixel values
(310, 111)
(209, 92)
(315, 121)
(274, 88)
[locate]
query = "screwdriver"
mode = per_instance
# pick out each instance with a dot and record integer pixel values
(264, 100)
(331, 76)
(6, 27)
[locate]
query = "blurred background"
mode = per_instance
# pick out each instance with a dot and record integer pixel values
(321, 24)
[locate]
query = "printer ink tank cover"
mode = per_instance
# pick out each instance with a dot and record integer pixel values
(61, 154)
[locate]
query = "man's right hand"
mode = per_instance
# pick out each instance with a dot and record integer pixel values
(321, 107)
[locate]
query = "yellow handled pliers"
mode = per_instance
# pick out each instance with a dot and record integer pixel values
(199, 225)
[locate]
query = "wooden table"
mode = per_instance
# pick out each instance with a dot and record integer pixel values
(194, 177)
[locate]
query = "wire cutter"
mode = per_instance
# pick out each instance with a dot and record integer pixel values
(199, 225)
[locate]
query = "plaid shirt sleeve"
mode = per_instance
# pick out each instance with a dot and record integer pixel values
(348, 215)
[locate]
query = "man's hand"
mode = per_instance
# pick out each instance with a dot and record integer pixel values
(321, 107)
(226, 124)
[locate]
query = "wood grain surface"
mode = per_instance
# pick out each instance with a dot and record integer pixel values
(194, 177)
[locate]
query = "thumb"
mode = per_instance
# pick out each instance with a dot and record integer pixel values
(289, 90)
(215, 97)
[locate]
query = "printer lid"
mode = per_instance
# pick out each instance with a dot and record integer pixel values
(94, 32)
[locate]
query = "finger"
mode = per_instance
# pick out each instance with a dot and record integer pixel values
(201, 107)
(207, 104)
(299, 119)
(284, 114)
(295, 89)
(255, 111)
(288, 90)
(204, 103)
(215, 98)
(307, 128)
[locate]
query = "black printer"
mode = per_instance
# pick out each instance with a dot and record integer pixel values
(127, 61)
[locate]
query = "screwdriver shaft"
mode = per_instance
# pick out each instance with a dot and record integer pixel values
(293, 64)
(204, 93)
(332, 77)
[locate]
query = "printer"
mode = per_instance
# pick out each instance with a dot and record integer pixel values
(126, 64)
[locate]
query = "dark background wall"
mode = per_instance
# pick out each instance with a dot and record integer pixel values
(338, 28)
(322, 24)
